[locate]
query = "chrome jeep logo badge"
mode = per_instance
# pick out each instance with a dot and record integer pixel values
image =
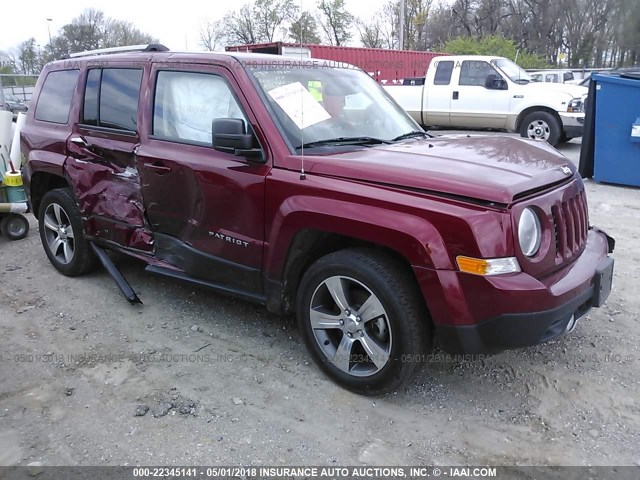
(566, 170)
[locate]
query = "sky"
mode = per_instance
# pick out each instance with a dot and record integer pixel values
(176, 25)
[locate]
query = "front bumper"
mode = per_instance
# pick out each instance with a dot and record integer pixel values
(491, 314)
(572, 124)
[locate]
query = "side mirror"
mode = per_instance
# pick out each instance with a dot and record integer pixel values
(229, 135)
(495, 82)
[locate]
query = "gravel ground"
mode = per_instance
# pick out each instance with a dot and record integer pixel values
(192, 377)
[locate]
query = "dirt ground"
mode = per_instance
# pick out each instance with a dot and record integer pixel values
(226, 383)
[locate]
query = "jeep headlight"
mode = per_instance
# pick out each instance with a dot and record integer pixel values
(576, 106)
(529, 232)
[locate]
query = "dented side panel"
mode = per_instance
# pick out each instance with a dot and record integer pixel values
(101, 167)
(110, 201)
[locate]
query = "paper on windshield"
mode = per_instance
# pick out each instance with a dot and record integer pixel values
(299, 105)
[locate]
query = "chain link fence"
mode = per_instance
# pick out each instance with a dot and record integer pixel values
(16, 91)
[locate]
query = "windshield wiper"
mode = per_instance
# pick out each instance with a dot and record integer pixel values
(411, 134)
(344, 141)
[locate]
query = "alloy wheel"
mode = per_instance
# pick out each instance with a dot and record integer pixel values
(351, 326)
(59, 233)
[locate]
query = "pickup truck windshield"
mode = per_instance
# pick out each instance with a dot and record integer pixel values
(511, 70)
(325, 106)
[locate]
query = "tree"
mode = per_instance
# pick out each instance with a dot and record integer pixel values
(251, 23)
(92, 30)
(270, 15)
(305, 29)
(28, 58)
(86, 31)
(381, 31)
(238, 26)
(119, 32)
(371, 34)
(336, 21)
(493, 45)
(628, 34)
(209, 36)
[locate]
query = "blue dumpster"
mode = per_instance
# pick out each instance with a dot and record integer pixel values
(617, 130)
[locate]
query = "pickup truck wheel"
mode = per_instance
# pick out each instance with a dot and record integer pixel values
(541, 126)
(61, 234)
(363, 320)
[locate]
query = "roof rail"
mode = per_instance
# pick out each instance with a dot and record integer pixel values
(152, 47)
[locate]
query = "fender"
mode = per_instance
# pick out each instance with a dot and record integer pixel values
(552, 100)
(423, 246)
(41, 161)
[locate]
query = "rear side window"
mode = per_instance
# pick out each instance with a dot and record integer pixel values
(111, 98)
(54, 102)
(568, 76)
(443, 73)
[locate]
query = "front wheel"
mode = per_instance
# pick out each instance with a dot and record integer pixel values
(363, 320)
(542, 126)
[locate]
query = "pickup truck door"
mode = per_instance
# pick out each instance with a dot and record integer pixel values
(205, 207)
(436, 98)
(472, 104)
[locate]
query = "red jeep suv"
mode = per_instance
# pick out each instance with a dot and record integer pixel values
(301, 185)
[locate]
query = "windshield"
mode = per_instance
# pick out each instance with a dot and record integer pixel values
(323, 103)
(511, 70)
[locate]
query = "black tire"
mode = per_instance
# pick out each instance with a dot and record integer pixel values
(14, 226)
(405, 316)
(564, 138)
(542, 125)
(82, 259)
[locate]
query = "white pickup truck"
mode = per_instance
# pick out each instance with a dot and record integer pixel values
(473, 91)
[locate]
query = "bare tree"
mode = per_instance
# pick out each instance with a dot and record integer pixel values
(119, 33)
(239, 26)
(252, 23)
(305, 29)
(270, 16)
(209, 36)
(371, 34)
(336, 21)
(27, 57)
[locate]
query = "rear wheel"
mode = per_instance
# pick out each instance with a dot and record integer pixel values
(14, 226)
(541, 126)
(61, 234)
(363, 320)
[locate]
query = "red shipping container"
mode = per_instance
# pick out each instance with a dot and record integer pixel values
(385, 66)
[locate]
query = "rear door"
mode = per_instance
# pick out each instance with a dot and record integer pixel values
(101, 163)
(206, 207)
(472, 104)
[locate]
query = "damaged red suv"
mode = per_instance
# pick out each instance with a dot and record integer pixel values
(301, 185)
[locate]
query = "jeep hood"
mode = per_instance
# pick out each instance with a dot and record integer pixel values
(494, 169)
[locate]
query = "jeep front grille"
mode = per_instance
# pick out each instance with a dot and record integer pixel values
(571, 224)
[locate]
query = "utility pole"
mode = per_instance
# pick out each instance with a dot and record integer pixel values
(401, 29)
(49, 20)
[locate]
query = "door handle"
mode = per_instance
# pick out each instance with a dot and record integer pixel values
(455, 95)
(158, 167)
